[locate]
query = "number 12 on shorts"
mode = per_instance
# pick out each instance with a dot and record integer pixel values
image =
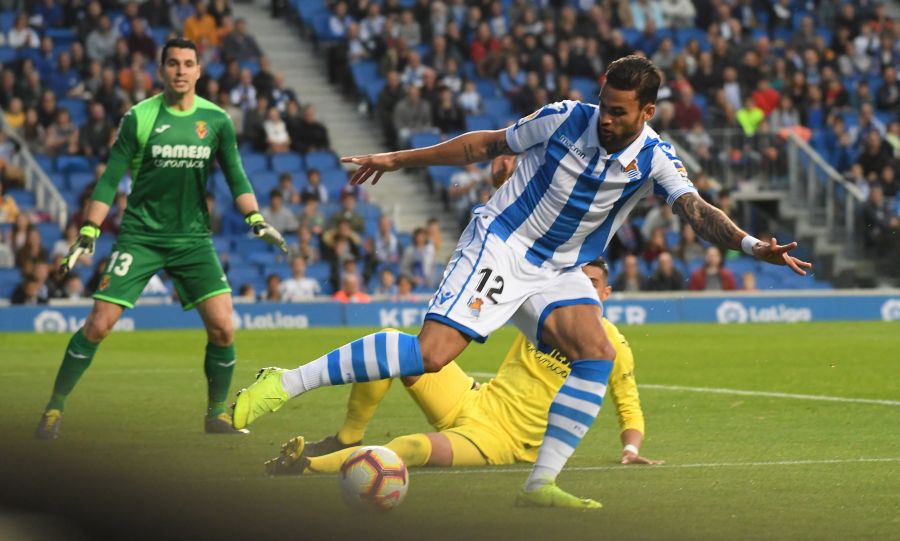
(124, 259)
(496, 290)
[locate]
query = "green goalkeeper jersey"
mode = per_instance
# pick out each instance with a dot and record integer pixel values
(170, 155)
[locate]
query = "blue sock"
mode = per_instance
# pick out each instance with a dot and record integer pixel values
(381, 355)
(572, 413)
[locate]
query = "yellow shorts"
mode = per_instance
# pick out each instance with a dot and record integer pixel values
(451, 403)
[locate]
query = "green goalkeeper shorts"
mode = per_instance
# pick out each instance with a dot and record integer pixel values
(193, 266)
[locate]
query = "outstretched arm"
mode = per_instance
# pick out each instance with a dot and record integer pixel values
(472, 147)
(713, 225)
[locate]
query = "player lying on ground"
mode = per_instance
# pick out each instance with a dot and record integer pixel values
(168, 142)
(501, 422)
(583, 169)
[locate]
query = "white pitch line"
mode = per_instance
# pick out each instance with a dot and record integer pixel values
(456, 471)
(741, 392)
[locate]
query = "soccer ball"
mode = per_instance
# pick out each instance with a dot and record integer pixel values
(373, 477)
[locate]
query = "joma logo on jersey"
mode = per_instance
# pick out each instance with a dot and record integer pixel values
(197, 152)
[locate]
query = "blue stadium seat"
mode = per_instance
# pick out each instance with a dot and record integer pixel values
(364, 71)
(103, 247)
(479, 122)
(7, 19)
(214, 69)
(221, 244)
(369, 211)
(71, 199)
(9, 279)
(73, 164)
(290, 162)
(79, 181)
(322, 160)
(421, 140)
(306, 9)
(486, 88)
(50, 233)
(243, 274)
(45, 162)
(78, 108)
(263, 183)
(588, 87)
(62, 36)
(159, 34)
(24, 199)
(500, 109)
(251, 65)
(58, 180)
(373, 89)
(440, 174)
(320, 271)
(8, 55)
(254, 162)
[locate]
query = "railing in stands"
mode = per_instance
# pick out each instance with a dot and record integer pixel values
(46, 194)
(814, 183)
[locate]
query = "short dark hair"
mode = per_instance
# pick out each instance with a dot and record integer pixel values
(636, 73)
(178, 43)
(601, 264)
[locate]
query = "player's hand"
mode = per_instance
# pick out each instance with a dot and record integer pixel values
(372, 164)
(84, 244)
(501, 169)
(778, 255)
(266, 232)
(629, 458)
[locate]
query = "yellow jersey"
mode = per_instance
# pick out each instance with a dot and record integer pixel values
(519, 397)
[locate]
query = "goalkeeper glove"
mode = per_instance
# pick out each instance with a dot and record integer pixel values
(84, 244)
(266, 232)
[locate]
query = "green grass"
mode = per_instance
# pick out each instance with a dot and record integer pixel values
(133, 453)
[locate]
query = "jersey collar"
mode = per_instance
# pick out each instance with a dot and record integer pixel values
(627, 154)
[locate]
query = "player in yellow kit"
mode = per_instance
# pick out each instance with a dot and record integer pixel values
(500, 422)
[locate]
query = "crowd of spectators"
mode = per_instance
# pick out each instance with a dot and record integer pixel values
(740, 76)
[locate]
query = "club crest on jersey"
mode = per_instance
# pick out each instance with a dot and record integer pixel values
(104, 283)
(201, 129)
(632, 171)
(475, 304)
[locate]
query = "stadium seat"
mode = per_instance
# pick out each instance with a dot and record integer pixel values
(45, 162)
(587, 87)
(159, 35)
(24, 199)
(320, 271)
(8, 55)
(333, 179)
(479, 122)
(214, 69)
(289, 162)
(9, 279)
(306, 9)
(263, 182)
(321, 160)
(421, 140)
(64, 37)
(500, 109)
(79, 181)
(50, 233)
(441, 174)
(373, 89)
(363, 72)
(243, 274)
(77, 108)
(73, 164)
(221, 244)
(486, 88)
(254, 162)
(7, 19)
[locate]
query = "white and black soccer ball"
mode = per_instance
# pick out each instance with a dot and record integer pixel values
(373, 478)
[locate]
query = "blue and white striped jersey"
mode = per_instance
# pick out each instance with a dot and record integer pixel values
(568, 196)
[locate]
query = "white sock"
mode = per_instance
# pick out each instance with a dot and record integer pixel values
(540, 476)
(306, 377)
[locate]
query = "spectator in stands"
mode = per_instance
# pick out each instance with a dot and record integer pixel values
(665, 55)
(140, 40)
(412, 115)
(750, 116)
(201, 25)
(277, 137)
(62, 135)
(305, 246)
(240, 45)
(340, 243)
(448, 115)
(785, 116)
(887, 97)
(96, 136)
(312, 135)
(348, 213)
(350, 291)
(33, 251)
(876, 153)
(110, 94)
(867, 122)
(879, 220)
(687, 113)
(29, 292)
(223, 100)
(512, 78)
(101, 41)
(288, 190)
(8, 88)
(280, 94)
(630, 279)
(314, 190)
(72, 288)
(61, 246)
(677, 14)
(484, 51)
(277, 215)
(9, 211)
(232, 76)
(387, 283)
(386, 246)
(21, 35)
(418, 260)
(712, 276)
(656, 244)
(748, 282)
(273, 288)
(469, 99)
(888, 180)
(666, 277)
(264, 79)
(404, 293)
(181, 11)
(433, 231)
(33, 132)
(246, 294)
(47, 108)
(14, 115)
(244, 93)
(299, 287)
(689, 248)
(254, 124)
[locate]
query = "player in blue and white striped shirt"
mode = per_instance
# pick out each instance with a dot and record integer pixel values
(583, 169)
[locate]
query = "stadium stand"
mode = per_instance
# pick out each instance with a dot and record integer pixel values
(742, 80)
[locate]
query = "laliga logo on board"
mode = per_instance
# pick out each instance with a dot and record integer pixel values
(50, 321)
(731, 312)
(890, 311)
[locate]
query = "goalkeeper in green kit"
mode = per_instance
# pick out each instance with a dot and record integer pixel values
(168, 142)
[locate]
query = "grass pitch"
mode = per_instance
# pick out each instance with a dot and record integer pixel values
(133, 461)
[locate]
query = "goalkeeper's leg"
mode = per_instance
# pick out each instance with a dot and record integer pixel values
(78, 356)
(219, 361)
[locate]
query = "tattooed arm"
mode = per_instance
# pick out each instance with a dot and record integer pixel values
(713, 225)
(472, 147)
